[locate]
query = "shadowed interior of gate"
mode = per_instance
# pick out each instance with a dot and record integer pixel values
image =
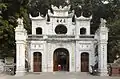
(61, 58)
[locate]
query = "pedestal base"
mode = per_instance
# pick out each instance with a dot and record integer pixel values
(20, 73)
(103, 74)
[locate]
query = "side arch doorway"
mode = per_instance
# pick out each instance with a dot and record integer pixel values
(84, 62)
(61, 58)
(37, 59)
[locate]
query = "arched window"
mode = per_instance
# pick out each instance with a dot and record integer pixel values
(60, 29)
(38, 30)
(83, 31)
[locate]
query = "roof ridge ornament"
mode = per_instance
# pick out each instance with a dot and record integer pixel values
(39, 14)
(84, 18)
(37, 17)
(60, 8)
(30, 16)
(67, 1)
(81, 14)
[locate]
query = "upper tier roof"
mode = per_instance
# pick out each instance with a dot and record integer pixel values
(59, 11)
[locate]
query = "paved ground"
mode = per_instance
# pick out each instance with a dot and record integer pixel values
(56, 75)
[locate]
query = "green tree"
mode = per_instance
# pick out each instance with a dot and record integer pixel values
(10, 10)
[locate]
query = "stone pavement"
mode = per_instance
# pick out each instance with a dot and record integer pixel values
(56, 75)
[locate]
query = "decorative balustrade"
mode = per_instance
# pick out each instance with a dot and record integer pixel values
(35, 36)
(86, 36)
(61, 36)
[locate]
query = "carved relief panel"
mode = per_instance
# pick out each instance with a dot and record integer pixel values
(85, 47)
(37, 46)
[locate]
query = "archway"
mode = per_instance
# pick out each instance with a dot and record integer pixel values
(38, 30)
(61, 57)
(83, 31)
(84, 62)
(37, 58)
(60, 29)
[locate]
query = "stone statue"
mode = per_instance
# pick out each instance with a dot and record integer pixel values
(103, 22)
(20, 21)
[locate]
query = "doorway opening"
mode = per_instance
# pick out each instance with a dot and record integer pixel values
(84, 62)
(37, 58)
(61, 58)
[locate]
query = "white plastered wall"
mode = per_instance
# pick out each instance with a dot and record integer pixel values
(39, 23)
(70, 47)
(68, 23)
(37, 46)
(81, 47)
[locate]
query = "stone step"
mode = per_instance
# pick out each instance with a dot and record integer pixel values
(59, 73)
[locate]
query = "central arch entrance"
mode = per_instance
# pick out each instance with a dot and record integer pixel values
(61, 57)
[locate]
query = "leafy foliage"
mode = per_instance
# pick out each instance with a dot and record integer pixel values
(10, 10)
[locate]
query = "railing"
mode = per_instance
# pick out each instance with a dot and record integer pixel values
(86, 36)
(58, 36)
(61, 36)
(35, 36)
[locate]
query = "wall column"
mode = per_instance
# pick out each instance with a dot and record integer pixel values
(44, 58)
(32, 61)
(77, 57)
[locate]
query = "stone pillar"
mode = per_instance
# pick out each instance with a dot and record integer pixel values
(77, 57)
(44, 58)
(20, 37)
(20, 58)
(31, 61)
(102, 59)
(102, 48)
(72, 58)
(1, 66)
